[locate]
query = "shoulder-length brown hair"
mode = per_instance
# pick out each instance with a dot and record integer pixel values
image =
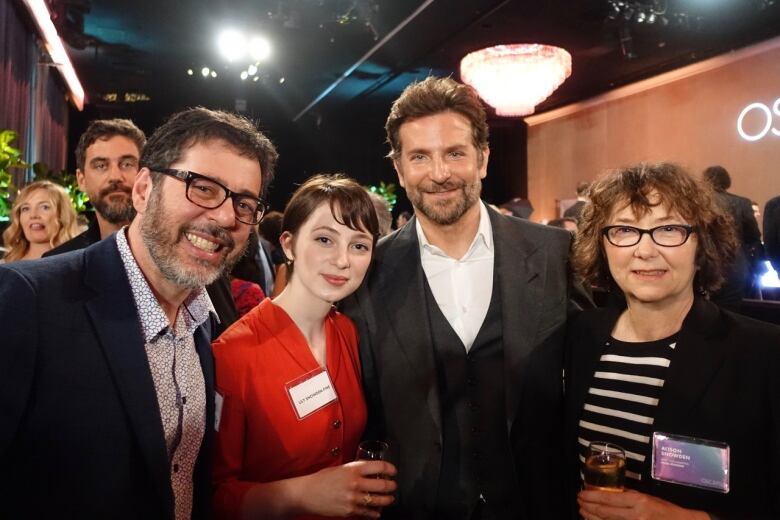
(349, 204)
(14, 238)
(636, 187)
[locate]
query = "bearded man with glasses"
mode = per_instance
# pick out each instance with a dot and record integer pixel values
(107, 382)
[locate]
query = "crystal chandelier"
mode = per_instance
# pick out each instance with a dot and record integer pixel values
(515, 78)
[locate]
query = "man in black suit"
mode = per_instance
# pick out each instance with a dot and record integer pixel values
(740, 277)
(107, 162)
(107, 158)
(575, 210)
(461, 325)
(106, 376)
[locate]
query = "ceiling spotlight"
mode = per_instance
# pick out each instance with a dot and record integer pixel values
(256, 78)
(189, 72)
(231, 44)
(651, 18)
(213, 73)
(281, 80)
(244, 75)
(259, 48)
(205, 71)
(251, 70)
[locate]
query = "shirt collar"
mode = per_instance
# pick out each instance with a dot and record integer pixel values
(153, 319)
(484, 235)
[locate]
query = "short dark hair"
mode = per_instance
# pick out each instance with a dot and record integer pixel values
(105, 129)
(582, 188)
(718, 177)
(197, 125)
(271, 227)
(349, 204)
(632, 186)
(434, 96)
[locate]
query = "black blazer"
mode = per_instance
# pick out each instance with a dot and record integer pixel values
(219, 290)
(722, 384)
(80, 429)
(400, 376)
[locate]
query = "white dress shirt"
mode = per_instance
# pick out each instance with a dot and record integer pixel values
(462, 287)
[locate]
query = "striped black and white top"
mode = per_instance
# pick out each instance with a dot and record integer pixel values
(623, 397)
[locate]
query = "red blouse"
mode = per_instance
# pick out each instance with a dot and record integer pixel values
(260, 438)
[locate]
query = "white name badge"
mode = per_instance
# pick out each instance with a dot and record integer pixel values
(691, 462)
(311, 392)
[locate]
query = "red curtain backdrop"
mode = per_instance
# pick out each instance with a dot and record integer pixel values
(17, 56)
(32, 95)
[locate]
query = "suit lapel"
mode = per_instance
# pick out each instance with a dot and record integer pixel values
(115, 319)
(401, 287)
(697, 357)
(520, 266)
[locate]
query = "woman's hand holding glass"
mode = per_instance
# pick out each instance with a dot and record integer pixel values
(631, 505)
(359, 488)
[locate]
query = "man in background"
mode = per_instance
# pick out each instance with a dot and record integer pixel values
(741, 276)
(575, 210)
(107, 158)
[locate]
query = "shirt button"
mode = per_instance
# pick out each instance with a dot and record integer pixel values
(336, 424)
(335, 451)
(175, 468)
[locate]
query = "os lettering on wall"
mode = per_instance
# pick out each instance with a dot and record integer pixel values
(764, 115)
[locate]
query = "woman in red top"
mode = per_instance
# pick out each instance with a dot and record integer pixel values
(290, 405)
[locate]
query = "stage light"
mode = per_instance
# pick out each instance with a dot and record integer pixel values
(213, 73)
(259, 48)
(231, 44)
(281, 80)
(189, 72)
(244, 75)
(205, 71)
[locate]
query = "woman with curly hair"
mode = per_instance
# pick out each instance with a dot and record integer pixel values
(690, 391)
(42, 217)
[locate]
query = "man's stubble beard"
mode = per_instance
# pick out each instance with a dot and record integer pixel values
(447, 212)
(158, 235)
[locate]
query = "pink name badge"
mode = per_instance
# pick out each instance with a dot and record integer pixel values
(691, 462)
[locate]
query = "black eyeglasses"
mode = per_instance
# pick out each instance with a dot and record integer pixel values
(210, 194)
(670, 235)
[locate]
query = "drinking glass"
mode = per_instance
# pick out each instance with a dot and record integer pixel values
(372, 450)
(605, 467)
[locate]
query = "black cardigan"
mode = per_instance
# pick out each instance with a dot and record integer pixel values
(723, 384)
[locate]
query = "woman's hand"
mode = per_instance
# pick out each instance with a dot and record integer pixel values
(359, 488)
(631, 505)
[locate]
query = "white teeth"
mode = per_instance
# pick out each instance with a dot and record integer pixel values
(202, 243)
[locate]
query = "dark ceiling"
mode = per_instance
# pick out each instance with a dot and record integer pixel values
(125, 51)
(145, 47)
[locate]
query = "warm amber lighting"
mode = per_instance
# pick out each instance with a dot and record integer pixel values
(515, 78)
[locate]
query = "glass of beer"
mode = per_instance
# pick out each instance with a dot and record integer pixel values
(605, 467)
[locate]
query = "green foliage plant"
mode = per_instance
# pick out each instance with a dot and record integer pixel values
(10, 157)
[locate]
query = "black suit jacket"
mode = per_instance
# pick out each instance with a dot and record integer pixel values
(80, 429)
(722, 385)
(400, 375)
(772, 231)
(219, 290)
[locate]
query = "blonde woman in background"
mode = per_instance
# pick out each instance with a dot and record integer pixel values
(42, 217)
